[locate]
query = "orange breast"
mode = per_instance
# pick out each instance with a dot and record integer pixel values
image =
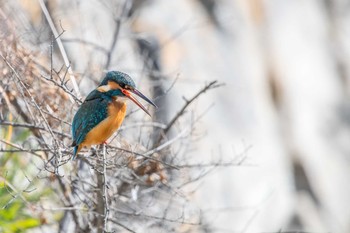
(100, 133)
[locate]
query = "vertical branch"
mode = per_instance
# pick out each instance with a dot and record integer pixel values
(118, 21)
(102, 195)
(149, 50)
(114, 43)
(105, 187)
(100, 202)
(61, 48)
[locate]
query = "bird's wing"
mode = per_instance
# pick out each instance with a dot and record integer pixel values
(90, 114)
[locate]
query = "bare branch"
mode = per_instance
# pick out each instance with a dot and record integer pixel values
(118, 22)
(100, 191)
(32, 126)
(114, 43)
(147, 156)
(20, 148)
(60, 46)
(210, 86)
(92, 44)
(122, 225)
(64, 88)
(105, 193)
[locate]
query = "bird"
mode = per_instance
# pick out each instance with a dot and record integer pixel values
(103, 110)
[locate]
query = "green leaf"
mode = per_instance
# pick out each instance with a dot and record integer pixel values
(11, 211)
(20, 225)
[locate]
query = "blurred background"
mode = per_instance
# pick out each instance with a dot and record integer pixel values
(282, 119)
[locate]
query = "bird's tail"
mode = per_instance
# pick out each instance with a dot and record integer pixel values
(75, 152)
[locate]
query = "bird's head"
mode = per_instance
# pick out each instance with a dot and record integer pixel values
(119, 84)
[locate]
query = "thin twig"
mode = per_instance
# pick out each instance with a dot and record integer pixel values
(60, 46)
(147, 156)
(63, 87)
(118, 22)
(32, 126)
(211, 85)
(114, 43)
(167, 143)
(20, 148)
(122, 225)
(143, 124)
(31, 97)
(14, 196)
(85, 42)
(237, 161)
(155, 217)
(23, 150)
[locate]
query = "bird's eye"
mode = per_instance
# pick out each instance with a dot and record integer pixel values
(122, 85)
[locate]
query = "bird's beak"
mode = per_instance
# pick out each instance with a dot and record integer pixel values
(136, 92)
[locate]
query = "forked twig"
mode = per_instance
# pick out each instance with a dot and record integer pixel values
(209, 86)
(60, 46)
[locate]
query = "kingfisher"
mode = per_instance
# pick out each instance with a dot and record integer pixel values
(103, 110)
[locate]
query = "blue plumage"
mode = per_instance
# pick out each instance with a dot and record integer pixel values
(91, 113)
(118, 77)
(97, 107)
